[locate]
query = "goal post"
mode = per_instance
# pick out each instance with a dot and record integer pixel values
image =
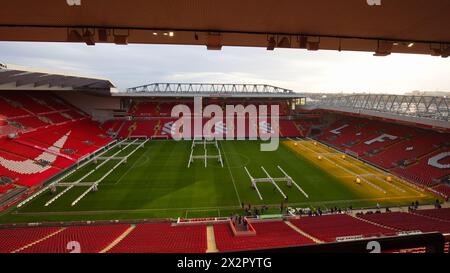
(273, 180)
(205, 156)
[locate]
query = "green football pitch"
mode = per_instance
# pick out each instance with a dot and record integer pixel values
(155, 182)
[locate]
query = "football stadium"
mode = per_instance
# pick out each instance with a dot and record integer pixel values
(187, 167)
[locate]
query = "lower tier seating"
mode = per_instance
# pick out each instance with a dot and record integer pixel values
(408, 222)
(15, 238)
(268, 235)
(329, 227)
(163, 238)
(443, 189)
(441, 214)
(91, 239)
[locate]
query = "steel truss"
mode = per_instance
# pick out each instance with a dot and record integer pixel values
(431, 107)
(209, 88)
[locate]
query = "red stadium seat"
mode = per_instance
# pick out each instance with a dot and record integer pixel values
(329, 227)
(268, 235)
(91, 239)
(13, 239)
(164, 238)
(408, 222)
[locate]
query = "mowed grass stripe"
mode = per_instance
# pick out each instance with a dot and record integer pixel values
(157, 183)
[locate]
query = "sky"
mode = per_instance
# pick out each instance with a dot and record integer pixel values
(299, 70)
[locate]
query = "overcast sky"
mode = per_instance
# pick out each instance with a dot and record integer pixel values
(300, 70)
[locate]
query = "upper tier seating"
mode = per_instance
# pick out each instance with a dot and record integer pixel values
(56, 118)
(31, 122)
(164, 109)
(268, 235)
(163, 126)
(329, 227)
(163, 238)
(24, 111)
(6, 188)
(50, 135)
(31, 103)
(9, 110)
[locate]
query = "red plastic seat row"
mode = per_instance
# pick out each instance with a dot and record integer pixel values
(164, 238)
(443, 189)
(15, 238)
(6, 188)
(268, 235)
(27, 102)
(329, 227)
(88, 239)
(441, 214)
(408, 222)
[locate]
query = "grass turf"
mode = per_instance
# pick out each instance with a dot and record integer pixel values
(155, 182)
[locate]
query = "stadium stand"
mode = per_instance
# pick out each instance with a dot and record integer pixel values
(407, 222)
(10, 109)
(6, 188)
(160, 122)
(329, 227)
(41, 135)
(440, 214)
(289, 128)
(15, 238)
(91, 239)
(443, 189)
(192, 238)
(268, 235)
(403, 150)
(163, 238)
(56, 118)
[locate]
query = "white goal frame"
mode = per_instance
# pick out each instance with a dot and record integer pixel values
(105, 159)
(204, 156)
(272, 180)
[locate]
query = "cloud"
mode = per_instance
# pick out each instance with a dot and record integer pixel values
(303, 71)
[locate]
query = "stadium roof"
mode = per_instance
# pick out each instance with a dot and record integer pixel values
(210, 89)
(433, 111)
(405, 26)
(14, 77)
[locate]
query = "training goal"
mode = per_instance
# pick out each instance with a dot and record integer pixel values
(273, 180)
(123, 150)
(204, 156)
